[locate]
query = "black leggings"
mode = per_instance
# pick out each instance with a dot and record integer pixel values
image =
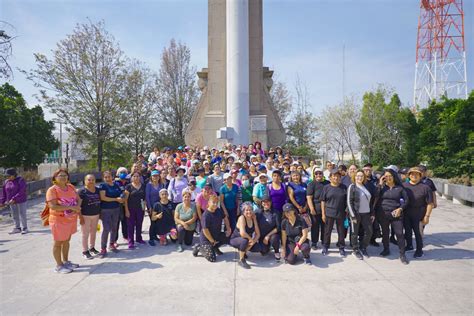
(241, 244)
(122, 222)
(386, 220)
(340, 231)
(365, 223)
(317, 228)
(290, 255)
(412, 224)
(274, 242)
(185, 236)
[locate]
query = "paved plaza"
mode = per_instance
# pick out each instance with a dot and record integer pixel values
(160, 281)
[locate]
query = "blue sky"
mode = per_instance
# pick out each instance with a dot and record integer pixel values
(301, 37)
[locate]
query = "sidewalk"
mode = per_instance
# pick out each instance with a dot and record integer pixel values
(158, 280)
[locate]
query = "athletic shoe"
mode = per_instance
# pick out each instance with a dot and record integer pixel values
(141, 242)
(325, 251)
(243, 263)
(418, 254)
(307, 260)
(62, 269)
(163, 241)
(277, 256)
(93, 251)
(15, 231)
(385, 252)
(24, 231)
(374, 243)
(403, 259)
(70, 265)
(131, 246)
(342, 252)
(314, 246)
(103, 253)
(218, 251)
(87, 255)
(393, 240)
(357, 254)
(365, 253)
(113, 248)
(195, 250)
(179, 248)
(410, 248)
(151, 242)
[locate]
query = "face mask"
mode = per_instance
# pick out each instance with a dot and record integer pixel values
(246, 183)
(123, 176)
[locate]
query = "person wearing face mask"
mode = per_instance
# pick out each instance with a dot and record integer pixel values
(313, 196)
(246, 189)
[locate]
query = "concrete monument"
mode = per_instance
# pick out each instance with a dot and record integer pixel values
(235, 105)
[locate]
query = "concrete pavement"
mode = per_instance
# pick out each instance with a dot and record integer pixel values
(158, 280)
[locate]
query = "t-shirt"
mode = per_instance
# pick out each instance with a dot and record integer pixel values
(135, 197)
(202, 202)
(213, 222)
(294, 231)
(392, 198)
(346, 180)
(66, 197)
(90, 205)
(247, 193)
(429, 183)
(176, 187)
(111, 191)
(230, 196)
(299, 192)
(166, 223)
(335, 199)
(216, 181)
(185, 214)
(267, 221)
(419, 196)
(315, 189)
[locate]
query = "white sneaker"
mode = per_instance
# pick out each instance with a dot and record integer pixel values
(70, 265)
(62, 269)
(24, 231)
(15, 231)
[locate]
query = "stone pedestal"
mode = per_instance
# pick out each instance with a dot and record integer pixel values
(210, 114)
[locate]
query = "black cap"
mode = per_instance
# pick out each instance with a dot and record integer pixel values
(288, 207)
(335, 171)
(10, 172)
(404, 171)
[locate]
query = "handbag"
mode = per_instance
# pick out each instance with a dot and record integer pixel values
(45, 215)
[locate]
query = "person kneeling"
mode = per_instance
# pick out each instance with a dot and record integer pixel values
(211, 237)
(246, 234)
(294, 236)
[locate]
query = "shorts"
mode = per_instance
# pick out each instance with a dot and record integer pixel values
(62, 231)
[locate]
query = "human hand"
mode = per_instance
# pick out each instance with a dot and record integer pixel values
(296, 251)
(186, 226)
(354, 221)
(228, 232)
(425, 220)
(160, 216)
(266, 240)
(324, 219)
(313, 212)
(127, 213)
(120, 200)
(372, 219)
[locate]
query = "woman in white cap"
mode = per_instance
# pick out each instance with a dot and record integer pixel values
(260, 190)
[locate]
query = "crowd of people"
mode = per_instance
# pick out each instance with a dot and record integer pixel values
(254, 200)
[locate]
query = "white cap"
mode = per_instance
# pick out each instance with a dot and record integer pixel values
(226, 176)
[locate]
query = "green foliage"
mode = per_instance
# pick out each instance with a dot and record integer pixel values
(25, 136)
(447, 137)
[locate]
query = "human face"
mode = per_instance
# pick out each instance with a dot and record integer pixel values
(61, 178)
(212, 205)
(108, 178)
(228, 180)
(187, 198)
(335, 179)
(367, 171)
(267, 204)
(164, 196)
(276, 178)
(136, 178)
(89, 180)
(318, 176)
(389, 178)
(329, 165)
(217, 169)
(359, 178)
(263, 179)
(248, 212)
(155, 178)
(415, 177)
(352, 170)
(207, 190)
(295, 177)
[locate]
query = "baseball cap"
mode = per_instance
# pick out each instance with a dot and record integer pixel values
(155, 172)
(226, 176)
(392, 167)
(288, 207)
(415, 169)
(261, 168)
(335, 171)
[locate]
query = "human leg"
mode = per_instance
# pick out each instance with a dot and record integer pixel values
(328, 231)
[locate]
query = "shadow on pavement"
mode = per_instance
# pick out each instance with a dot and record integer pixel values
(118, 267)
(447, 239)
(444, 254)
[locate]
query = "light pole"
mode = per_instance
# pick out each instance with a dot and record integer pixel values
(60, 141)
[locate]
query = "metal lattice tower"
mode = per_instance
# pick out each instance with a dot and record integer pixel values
(440, 52)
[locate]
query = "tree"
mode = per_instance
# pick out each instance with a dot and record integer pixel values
(302, 126)
(6, 50)
(81, 84)
(176, 94)
(25, 136)
(281, 99)
(137, 116)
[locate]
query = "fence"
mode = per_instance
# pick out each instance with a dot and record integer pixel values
(459, 194)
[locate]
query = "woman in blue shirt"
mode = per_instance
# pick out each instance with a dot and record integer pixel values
(229, 199)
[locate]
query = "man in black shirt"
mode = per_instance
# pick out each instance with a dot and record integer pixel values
(313, 196)
(333, 209)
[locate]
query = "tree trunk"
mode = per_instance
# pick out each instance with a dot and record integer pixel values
(100, 152)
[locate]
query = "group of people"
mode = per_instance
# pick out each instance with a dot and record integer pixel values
(254, 200)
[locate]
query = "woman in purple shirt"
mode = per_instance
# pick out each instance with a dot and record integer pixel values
(14, 195)
(277, 192)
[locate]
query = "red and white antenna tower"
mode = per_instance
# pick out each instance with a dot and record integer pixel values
(440, 52)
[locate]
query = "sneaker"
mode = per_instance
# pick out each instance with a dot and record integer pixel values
(179, 248)
(385, 252)
(131, 246)
(307, 260)
(277, 256)
(325, 251)
(93, 251)
(409, 248)
(365, 253)
(62, 269)
(163, 241)
(151, 242)
(218, 251)
(87, 255)
(418, 254)
(314, 246)
(374, 243)
(393, 240)
(70, 265)
(141, 242)
(15, 231)
(342, 252)
(195, 250)
(243, 263)
(113, 248)
(403, 259)
(24, 231)
(103, 253)
(357, 254)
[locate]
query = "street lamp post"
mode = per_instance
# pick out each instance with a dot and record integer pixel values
(60, 141)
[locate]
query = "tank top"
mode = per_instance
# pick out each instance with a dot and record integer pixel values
(248, 230)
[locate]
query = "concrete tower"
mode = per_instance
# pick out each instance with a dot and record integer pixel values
(235, 104)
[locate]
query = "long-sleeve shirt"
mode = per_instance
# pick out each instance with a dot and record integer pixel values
(391, 199)
(14, 190)
(152, 194)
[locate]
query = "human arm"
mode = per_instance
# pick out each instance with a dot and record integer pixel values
(228, 230)
(323, 211)
(105, 198)
(148, 196)
(127, 211)
(283, 243)
(21, 190)
(208, 236)
(429, 209)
